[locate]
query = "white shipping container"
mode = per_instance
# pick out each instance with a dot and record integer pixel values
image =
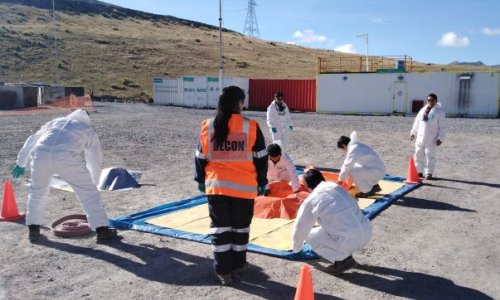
(470, 94)
(193, 91)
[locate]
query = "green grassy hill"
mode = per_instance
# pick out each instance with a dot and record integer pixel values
(116, 51)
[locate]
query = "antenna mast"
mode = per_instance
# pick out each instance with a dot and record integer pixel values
(251, 27)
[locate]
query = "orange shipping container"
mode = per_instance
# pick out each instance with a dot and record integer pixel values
(300, 95)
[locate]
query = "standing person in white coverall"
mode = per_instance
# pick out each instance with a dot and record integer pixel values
(67, 146)
(279, 120)
(342, 228)
(281, 166)
(429, 127)
(361, 163)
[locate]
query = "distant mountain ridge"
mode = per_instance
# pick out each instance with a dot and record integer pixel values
(476, 64)
(95, 7)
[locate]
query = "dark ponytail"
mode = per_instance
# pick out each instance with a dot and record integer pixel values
(229, 102)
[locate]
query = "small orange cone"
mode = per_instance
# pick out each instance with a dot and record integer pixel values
(413, 177)
(9, 206)
(304, 285)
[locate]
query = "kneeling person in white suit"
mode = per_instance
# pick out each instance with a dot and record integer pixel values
(67, 146)
(361, 163)
(281, 166)
(342, 228)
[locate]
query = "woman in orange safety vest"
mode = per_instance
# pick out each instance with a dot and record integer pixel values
(231, 168)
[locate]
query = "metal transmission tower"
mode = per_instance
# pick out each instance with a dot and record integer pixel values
(251, 28)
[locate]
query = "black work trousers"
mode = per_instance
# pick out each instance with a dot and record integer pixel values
(230, 230)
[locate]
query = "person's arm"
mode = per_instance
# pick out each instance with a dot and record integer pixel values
(24, 154)
(303, 224)
(200, 162)
(441, 127)
(288, 117)
(93, 157)
(349, 162)
(260, 158)
(416, 123)
(292, 172)
(271, 116)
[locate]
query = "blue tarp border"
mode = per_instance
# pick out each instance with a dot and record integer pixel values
(137, 221)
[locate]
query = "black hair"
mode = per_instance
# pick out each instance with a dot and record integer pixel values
(274, 149)
(433, 96)
(312, 178)
(343, 140)
(278, 94)
(229, 102)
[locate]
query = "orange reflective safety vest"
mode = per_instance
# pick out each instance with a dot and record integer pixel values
(230, 170)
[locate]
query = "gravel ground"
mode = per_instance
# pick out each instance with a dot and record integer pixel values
(440, 241)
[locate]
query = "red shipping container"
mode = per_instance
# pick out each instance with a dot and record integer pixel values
(300, 95)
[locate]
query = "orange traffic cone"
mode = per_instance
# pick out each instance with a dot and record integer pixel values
(9, 206)
(413, 177)
(304, 285)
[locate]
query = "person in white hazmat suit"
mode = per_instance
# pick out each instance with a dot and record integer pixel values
(429, 128)
(67, 146)
(279, 120)
(281, 166)
(363, 164)
(342, 230)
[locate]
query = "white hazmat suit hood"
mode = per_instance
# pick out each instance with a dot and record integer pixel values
(80, 115)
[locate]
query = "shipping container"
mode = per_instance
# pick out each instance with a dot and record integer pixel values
(193, 91)
(300, 95)
(461, 94)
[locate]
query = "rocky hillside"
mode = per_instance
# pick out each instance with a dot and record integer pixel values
(116, 51)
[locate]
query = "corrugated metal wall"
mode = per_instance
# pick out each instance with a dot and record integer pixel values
(299, 94)
(395, 93)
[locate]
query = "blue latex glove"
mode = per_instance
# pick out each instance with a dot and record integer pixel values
(261, 190)
(291, 127)
(18, 171)
(274, 129)
(201, 187)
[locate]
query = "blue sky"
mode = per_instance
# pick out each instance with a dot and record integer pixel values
(438, 31)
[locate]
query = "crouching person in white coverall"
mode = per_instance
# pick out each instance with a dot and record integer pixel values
(429, 127)
(281, 166)
(67, 146)
(279, 120)
(361, 163)
(342, 228)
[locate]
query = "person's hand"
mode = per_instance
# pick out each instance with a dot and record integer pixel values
(291, 127)
(274, 130)
(412, 137)
(17, 171)
(201, 187)
(438, 142)
(261, 190)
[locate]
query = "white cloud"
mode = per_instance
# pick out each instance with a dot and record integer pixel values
(451, 39)
(309, 36)
(291, 43)
(491, 31)
(347, 48)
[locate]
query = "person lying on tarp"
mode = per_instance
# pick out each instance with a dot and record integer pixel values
(361, 163)
(343, 228)
(281, 166)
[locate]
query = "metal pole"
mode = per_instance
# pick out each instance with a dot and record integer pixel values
(221, 67)
(367, 62)
(365, 37)
(58, 76)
